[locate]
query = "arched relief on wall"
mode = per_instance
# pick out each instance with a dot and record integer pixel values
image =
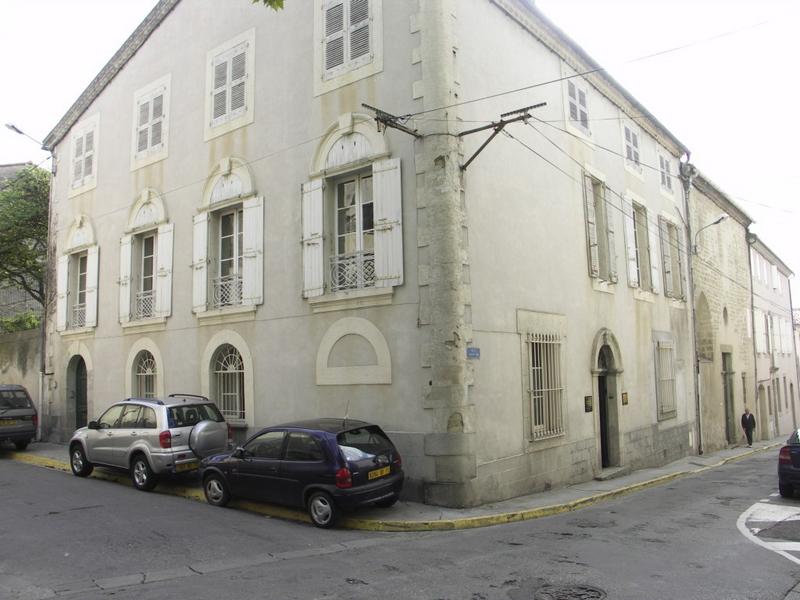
(230, 179)
(145, 343)
(80, 234)
(344, 363)
(605, 337)
(705, 329)
(147, 211)
(351, 140)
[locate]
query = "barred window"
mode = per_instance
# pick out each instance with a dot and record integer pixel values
(665, 380)
(546, 390)
(229, 381)
(145, 375)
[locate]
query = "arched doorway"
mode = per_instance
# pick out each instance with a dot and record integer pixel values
(76, 391)
(607, 407)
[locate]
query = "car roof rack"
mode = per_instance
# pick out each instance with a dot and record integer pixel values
(198, 396)
(148, 400)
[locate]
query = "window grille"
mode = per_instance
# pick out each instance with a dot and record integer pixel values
(145, 375)
(546, 390)
(229, 382)
(665, 377)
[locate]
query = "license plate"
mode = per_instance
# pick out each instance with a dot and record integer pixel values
(8, 422)
(378, 473)
(188, 466)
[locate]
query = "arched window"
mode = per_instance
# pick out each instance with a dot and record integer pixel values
(145, 375)
(228, 381)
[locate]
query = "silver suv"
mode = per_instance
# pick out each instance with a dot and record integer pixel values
(150, 437)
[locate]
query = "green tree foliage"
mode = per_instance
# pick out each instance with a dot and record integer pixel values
(20, 322)
(23, 231)
(273, 4)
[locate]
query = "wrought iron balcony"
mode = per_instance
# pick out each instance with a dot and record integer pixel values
(352, 271)
(228, 291)
(145, 305)
(78, 316)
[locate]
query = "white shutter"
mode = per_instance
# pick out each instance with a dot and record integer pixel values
(313, 255)
(334, 25)
(681, 250)
(219, 92)
(775, 278)
(630, 243)
(200, 263)
(387, 197)
(652, 248)
(163, 285)
(92, 276)
(62, 291)
(253, 251)
(359, 34)
(591, 226)
(125, 279)
(758, 321)
(612, 239)
(238, 79)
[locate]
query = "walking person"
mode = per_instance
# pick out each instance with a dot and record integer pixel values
(748, 426)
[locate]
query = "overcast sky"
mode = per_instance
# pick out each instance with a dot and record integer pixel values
(729, 94)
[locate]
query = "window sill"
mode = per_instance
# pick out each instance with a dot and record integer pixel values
(145, 325)
(634, 170)
(146, 159)
(233, 314)
(352, 299)
(644, 296)
(84, 187)
(81, 332)
(667, 193)
(606, 287)
(677, 303)
(544, 444)
(578, 130)
(237, 423)
(667, 416)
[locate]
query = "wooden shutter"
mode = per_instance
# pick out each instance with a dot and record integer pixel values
(88, 154)
(387, 197)
(200, 263)
(219, 93)
(313, 251)
(333, 22)
(359, 29)
(157, 120)
(681, 253)
(77, 161)
(612, 239)
(591, 226)
(62, 292)
(666, 257)
(652, 245)
(125, 279)
(630, 242)
(238, 96)
(92, 276)
(163, 285)
(143, 126)
(253, 251)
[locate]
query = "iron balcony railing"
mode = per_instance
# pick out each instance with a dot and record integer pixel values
(354, 270)
(145, 305)
(228, 291)
(79, 315)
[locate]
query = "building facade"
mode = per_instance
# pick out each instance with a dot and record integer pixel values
(236, 225)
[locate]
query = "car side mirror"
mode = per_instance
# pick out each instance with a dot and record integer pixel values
(239, 452)
(94, 425)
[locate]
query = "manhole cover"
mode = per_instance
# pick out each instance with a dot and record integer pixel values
(569, 592)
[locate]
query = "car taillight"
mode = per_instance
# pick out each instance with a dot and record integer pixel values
(344, 478)
(35, 419)
(785, 456)
(398, 460)
(165, 439)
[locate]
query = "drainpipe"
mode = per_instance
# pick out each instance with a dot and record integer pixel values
(751, 238)
(689, 172)
(45, 307)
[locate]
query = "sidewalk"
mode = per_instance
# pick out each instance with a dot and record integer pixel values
(414, 516)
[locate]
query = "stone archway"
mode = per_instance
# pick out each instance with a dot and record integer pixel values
(77, 408)
(606, 371)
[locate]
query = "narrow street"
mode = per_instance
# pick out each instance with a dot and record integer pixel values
(94, 539)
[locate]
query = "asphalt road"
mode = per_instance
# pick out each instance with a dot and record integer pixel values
(61, 536)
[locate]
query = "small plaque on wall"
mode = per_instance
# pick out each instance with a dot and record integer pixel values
(624, 398)
(587, 404)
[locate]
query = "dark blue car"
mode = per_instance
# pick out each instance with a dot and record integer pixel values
(321, 465)
(789, 466)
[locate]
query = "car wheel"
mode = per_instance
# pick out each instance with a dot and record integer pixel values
(142, 475)
(786, 489)
(78, 462)
(21, 445)
(216, 490)
(322, 509)
(387, 502)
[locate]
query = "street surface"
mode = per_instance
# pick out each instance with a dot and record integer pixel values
(689, 539)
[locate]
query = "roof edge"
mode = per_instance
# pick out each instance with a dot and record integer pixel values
(109, 71)
(711, 189)
(757, 241)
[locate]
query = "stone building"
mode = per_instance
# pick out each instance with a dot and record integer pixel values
(230, 220)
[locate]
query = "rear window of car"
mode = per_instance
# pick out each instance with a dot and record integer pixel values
(14, 399)
(363, 442)
(794, 439)
(188, 415)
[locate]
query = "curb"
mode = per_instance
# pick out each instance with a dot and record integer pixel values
(267, 510)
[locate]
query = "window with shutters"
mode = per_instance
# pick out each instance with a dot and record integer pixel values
(83, 155)
(577, 101)
(228, 238)
(600, 237)
(145, 295)
(77, 290)
(352, 262)
(672, 251)
(640, 272)
(230, 85)
(150, 123)
(665, 170)
(665, 380)
(347, 33)
(632, 150)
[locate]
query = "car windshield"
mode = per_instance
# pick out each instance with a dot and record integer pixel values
(188, 415)
(363, 442)
(14, 399)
